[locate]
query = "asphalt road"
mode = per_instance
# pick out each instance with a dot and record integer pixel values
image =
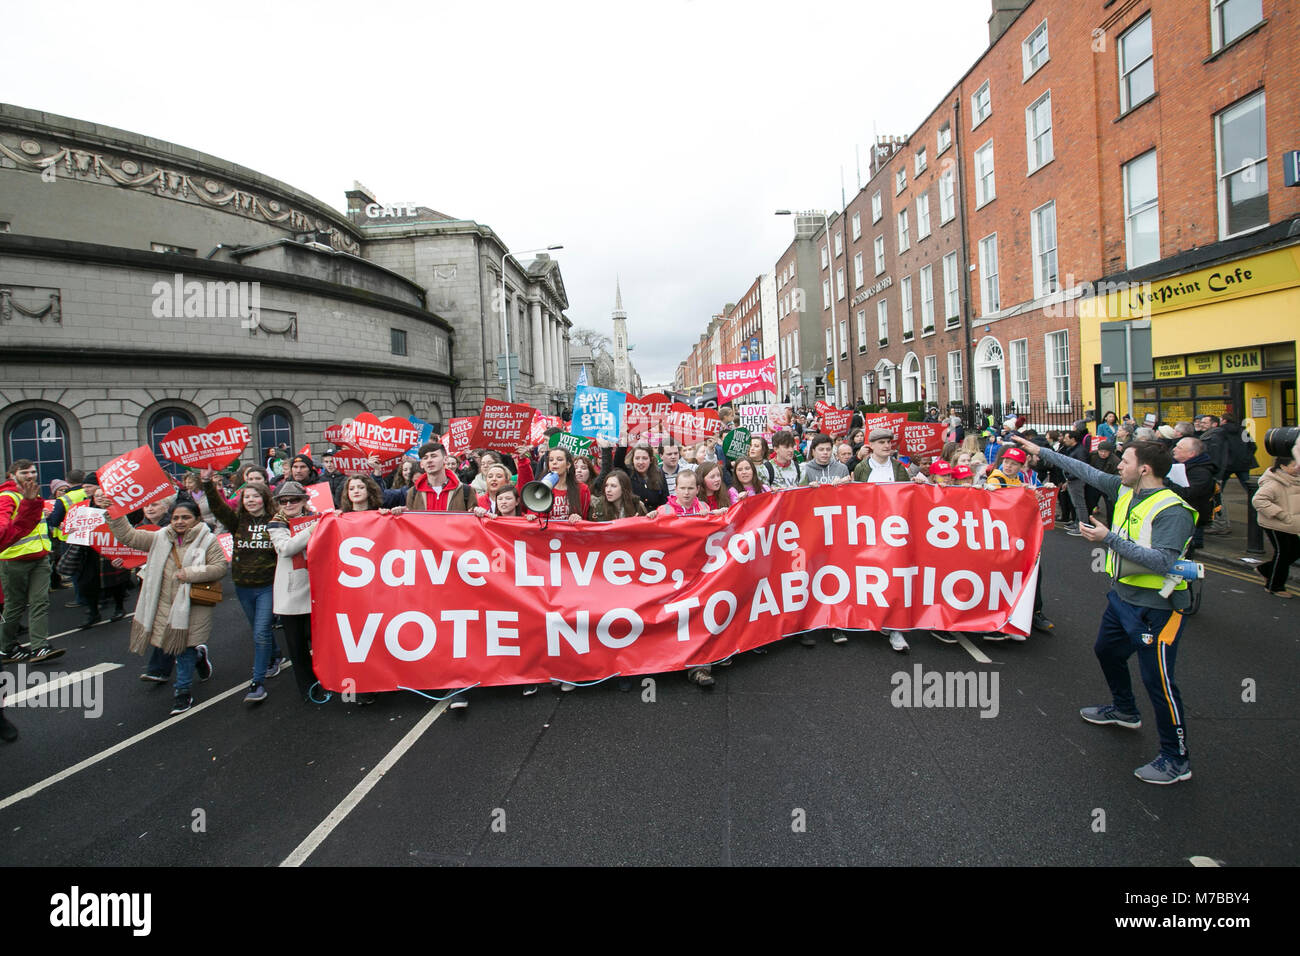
(797, 757)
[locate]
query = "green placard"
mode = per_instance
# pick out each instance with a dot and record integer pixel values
(736, 445)
(576, 444)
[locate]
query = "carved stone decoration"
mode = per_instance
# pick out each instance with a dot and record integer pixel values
(274, 322)
(137, 175)
(9, 305)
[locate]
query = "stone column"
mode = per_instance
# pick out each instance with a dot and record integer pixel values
(539, 356)
(553, 361)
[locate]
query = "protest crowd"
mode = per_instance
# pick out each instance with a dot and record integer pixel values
(256, 520)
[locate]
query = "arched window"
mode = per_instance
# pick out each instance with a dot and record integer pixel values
(163, 421)
(39, 436)
(273, 427)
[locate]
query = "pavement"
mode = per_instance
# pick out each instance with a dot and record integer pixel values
(1232, 550)
(798, 757)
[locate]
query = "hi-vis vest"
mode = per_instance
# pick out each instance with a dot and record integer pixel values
(1136, 526)
(70, 499)
(36, 542)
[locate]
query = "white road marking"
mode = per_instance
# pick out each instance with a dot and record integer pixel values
(1202, 861)
(76, 629)
(73, 678)
(318, 836)
(974, 651)
(117, 748)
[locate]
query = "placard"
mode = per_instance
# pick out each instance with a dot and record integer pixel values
(134, 480)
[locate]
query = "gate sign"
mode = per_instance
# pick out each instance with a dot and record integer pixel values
(214, 446)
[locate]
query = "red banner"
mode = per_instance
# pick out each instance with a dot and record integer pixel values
(891, 420)
(319, 497)
(214, 446)
(1046, 498)
(503, 426)
(835, 422)
(384, 440)
(436, 601)
(134, 480)
(745, 377)
(921, 438)
(102, 540)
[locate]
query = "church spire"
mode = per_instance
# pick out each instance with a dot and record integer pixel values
(618, 300)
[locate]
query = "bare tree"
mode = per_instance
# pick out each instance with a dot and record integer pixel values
(591, 339)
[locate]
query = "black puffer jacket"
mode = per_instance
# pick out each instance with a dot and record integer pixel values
(1241, 455)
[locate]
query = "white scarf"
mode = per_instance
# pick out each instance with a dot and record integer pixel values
(176, 637)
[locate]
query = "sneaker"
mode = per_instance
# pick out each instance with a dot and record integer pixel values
(946, 637)
(565, 688)
(898, 642)
(153, 678)
(46, 653)
(808, 640)
(1109, 714)
(530, 690)
(1041, 623)
(839, 637)
(118, 614)
(256, 694)
(1073, 531)
(1019, 638)
(274, 669)
(17, 655)
(701, 677)
(75, 604)
(183, 702)
(996, 636)
(1165, 770)
(459, 702)
(1068, 526)
(203, 666)
(90, 621)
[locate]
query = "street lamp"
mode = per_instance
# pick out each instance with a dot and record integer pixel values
(830, 266)
(505, 317)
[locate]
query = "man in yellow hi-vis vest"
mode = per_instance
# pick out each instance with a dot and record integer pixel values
(25, 578)
(1153, 527)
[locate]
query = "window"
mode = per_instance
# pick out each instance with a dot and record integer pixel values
(904, 236)
(989, 274)
(830, 343)
(954, 377)
(900, 180)
(882, 320)
(857, 270)
(1230, 19)
(825, 258)
(981, 105)
(1034, 50)
(160, 424)
(1058, 368)
(1141, 211)
(274, 426)
(927, 299)
(1020, 373)
(945, 138)
(951, 294)
(984, 188)
(880, 254)
(907, 308)
(1243, 170)
(919, 162)
(857, 226)
(922, 215)
(947, 203)
(1038, 132)
(839, 283)
(844, 338)
(41, 438)
(862, 330)
(1137, 78)
(839, 244)
(932, 378)
(398, 341)
(1042, 233)
(826, 293)
(875, 207)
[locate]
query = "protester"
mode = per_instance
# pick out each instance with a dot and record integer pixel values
(1200, 488)
(253, 569)
(404, 475)
(686, 501)
(672, 465)
(1153, 527)
(648, 482)
(25, 575)
(1277, 503)
(584, 469)
(292, 587)
(717, 497)
(335, 477)
(880, 465)
(745, 479)
(1240, 454)
(785, 472)
(616, 499)
(182, 554)
(301, 469)
(436, 488)
(823, 470)
(1014, 470)
(1108, 427)
(193, 485)
(15, 525)
(572, 498)
(495, 477)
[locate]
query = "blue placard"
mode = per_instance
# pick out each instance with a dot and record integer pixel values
(598, 413)
(426, 434)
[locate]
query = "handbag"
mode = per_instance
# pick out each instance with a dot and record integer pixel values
(205, 594)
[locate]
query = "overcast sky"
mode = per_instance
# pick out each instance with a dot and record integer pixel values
(654, 141)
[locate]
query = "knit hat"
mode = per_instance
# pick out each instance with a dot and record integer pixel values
(303, 458)
(57, 487)
(1167, 432)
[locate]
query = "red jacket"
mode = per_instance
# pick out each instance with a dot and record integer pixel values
(17, 522)
(422, 497)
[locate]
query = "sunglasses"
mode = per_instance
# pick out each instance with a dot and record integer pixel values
(292, 501)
